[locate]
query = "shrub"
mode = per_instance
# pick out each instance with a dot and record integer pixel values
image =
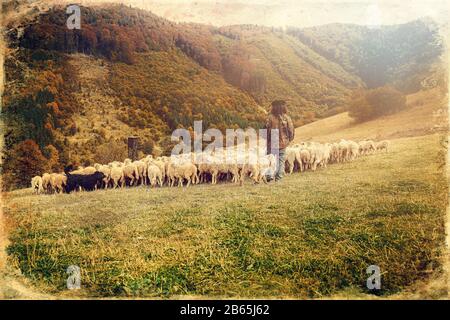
(147, 146)
(375, 103)
(109, 152)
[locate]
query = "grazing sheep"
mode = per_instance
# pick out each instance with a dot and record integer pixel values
(326, 154)
(305, 159)
(179, 170)
(208, 166)
(343, 151)
(36, 185)
(46, 186)
(334, 153)
(116, 176)
(58, 181)
(382, 145)
(142, 171)
(252, 171)
(353, 150)
(317, 156)
(162, 167)
(232, 164)
(130, 171)
(154, 175)
(267, 167)
(366, 147)
(290, 159)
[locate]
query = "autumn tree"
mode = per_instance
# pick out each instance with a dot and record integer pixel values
(52, 155)
(23, 162)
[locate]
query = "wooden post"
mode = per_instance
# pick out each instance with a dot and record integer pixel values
(133, 143)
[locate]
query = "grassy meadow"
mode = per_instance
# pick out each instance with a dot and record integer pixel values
(310, 236)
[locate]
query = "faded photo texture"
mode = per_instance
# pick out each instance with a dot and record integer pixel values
(263, 149)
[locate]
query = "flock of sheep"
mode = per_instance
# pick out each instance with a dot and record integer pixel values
(221, 165)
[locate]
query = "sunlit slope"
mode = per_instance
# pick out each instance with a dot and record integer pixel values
(426, 113)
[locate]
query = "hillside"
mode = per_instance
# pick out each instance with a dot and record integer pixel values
(268, 63)
(426, 113)
(71, 95)
(264, 62)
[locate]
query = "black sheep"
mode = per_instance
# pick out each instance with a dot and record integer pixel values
(87, 182)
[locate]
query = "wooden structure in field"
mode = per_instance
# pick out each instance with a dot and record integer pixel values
(133, 143)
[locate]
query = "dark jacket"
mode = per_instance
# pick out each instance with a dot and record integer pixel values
(286, 130)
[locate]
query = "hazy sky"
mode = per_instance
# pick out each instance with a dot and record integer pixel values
(300, 13)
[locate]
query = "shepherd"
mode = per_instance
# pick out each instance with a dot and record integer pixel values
(280, 122)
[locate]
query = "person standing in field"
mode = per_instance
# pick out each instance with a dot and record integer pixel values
(280, 121)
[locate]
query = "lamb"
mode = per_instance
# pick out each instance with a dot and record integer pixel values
(267, 167)
(36, 185)
(366, 147)
(382, 145)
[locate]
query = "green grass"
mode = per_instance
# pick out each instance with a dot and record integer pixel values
(312, 235)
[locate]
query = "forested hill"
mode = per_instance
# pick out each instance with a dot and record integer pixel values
(262, 62)
(74, 95)
(400, 55)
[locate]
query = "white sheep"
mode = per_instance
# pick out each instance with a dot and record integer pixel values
(130, 171)
(58, 181)
(36, 185)
(46, 185)
(116, 174)
(181, 170)
(382, 145)
(154, 175)
(142, 171)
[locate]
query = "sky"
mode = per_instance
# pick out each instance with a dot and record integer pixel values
(300, 13)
